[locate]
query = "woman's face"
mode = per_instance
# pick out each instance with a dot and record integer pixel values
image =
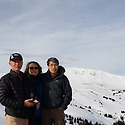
(33, 69)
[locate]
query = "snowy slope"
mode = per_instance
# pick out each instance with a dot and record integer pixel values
(95, 94)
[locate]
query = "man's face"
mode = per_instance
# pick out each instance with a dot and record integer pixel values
(16, 65)
(53, 67)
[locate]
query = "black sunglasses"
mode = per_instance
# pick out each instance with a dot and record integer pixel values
(33, 68)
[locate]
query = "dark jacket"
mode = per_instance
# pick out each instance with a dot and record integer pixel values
(57, 92)
(13, 91)
(35, 86)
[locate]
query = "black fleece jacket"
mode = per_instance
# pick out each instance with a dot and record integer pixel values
(57, 92)
(13, 91)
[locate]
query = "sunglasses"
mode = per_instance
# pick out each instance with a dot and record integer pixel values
(33, 68)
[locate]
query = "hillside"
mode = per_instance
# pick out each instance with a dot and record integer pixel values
(97, 96)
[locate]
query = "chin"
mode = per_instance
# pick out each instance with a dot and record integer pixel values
(53, 72)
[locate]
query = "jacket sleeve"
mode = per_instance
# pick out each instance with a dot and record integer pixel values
(67, 97)
(6, 97)
(26, 87)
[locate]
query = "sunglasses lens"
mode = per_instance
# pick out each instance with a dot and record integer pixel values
(33, 68)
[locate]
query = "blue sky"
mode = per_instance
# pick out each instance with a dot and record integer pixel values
(80, 33)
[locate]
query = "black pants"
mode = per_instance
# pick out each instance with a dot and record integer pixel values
(35, 121)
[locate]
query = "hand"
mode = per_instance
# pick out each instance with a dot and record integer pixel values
(37, 103)
(28, 103)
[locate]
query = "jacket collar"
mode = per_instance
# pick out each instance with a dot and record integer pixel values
(57, 76)
(14, 73)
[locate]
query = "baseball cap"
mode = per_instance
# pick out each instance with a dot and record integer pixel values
(15, 56)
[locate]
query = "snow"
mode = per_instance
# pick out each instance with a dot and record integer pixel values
(95, 93)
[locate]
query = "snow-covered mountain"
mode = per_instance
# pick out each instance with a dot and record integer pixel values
(97, 96)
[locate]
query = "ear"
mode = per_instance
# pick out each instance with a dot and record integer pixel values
(10, 63)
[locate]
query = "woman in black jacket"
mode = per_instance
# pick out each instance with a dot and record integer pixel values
(33, 72)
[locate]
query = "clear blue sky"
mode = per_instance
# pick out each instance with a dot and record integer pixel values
(80, 33)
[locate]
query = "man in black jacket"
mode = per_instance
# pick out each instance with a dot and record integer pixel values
(14, 93)
(57, 94)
